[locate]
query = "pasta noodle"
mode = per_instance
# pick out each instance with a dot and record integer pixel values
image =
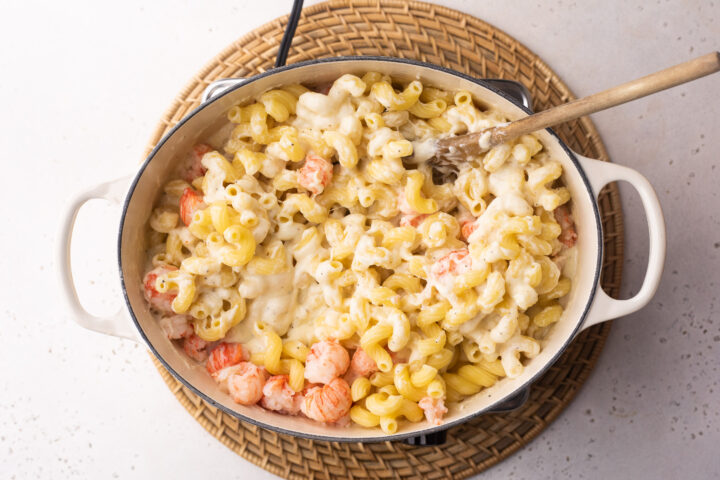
(314, 239)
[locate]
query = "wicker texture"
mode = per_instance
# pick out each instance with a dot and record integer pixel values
(445, 37)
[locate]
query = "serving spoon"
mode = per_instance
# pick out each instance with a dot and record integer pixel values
(450, 152)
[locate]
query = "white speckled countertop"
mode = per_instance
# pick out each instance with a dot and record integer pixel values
(83, 86)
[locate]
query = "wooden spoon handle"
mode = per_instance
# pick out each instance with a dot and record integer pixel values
(626, 92)
(664, 79)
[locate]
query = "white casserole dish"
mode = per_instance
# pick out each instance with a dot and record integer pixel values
(587, 304)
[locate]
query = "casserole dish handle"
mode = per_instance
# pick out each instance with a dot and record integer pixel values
(116, 324)
(604, 307)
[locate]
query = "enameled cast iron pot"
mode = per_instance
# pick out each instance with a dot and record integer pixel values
(587, 304)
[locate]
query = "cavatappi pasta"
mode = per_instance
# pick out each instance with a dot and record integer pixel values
(315, 265)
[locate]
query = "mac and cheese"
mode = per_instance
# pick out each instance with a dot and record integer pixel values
(325, 271)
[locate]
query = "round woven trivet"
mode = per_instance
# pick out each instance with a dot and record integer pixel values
(445, 37)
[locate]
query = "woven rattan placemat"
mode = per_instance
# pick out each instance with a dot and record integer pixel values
(445, 37)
